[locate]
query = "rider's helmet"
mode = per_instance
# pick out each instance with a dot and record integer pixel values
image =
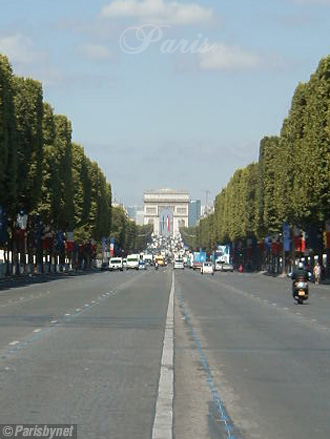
(301, 265)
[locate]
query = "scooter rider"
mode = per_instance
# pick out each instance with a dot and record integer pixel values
(300, 273)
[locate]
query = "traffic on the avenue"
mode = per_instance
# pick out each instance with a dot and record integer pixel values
(165, 352)
(165, 219)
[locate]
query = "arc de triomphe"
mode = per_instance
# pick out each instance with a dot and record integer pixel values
(167, 210)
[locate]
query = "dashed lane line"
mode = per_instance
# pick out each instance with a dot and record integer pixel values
(163, 421)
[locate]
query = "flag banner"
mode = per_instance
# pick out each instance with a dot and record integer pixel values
(286, 237)
(59, 240)
(268, 243)
(300, 242)
(21, 221)
(327, 225)
(47, 242)
(69, 246)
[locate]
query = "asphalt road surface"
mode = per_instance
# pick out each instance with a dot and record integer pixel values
(159, 355)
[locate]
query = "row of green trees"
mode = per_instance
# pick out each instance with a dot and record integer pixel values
(290, 182)
(44, 174)
(41, 169)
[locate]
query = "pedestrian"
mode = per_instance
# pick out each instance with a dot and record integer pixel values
(317, 273)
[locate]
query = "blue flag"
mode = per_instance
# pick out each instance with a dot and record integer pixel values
(286, 237)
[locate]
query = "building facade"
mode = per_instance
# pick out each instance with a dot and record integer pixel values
(194, 213)
(167, 210)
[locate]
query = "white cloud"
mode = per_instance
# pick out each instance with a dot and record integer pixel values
(96, 52)
(224, 57)
(157, 11)
(20, 49)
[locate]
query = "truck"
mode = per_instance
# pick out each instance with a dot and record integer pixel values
(222, 254)
(199, 259)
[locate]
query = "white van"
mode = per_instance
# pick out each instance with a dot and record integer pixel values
(116, 264)
(132, 262)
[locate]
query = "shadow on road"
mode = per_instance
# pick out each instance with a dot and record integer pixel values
(9, 282)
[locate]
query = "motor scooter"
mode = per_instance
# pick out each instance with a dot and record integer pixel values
(300, 289)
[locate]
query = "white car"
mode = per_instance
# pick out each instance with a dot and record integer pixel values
(178, 263)
(132, 262)
(207, 268)
(227, 267)
(116, 264)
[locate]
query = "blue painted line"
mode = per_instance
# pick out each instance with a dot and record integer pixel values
(227, 424)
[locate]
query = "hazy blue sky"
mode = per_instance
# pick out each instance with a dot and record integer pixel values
(155, 119)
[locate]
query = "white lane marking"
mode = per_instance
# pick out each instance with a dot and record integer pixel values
(67, 314)
(37, 330)
(54, 321)
(13, 343)
(163, 422)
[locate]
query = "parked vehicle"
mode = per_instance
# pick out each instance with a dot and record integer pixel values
(207, 268)
(199, 259)
(132, 262)
(178, 264)
(116, 264)
(227, 267)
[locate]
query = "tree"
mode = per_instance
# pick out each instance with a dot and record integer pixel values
(63, 145)
(8, 139)
(29, 115)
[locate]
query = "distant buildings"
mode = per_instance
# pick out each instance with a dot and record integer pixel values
(194, 212)
(136, 213)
